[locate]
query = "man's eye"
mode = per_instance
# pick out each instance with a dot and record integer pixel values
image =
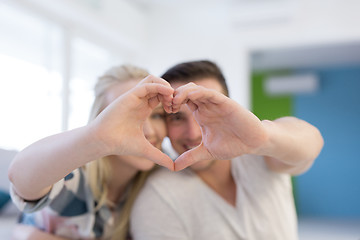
(157, 116)
(175, 117)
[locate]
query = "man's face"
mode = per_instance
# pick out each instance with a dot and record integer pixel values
(183, 130)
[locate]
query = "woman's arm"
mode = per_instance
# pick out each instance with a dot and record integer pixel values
(36, 168)
(116, 131)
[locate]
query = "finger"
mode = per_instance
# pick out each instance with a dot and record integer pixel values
(158, 88)
(194, 95)
(192, 156)
(192, 106)
(156, 93)
(166, 102)
(155, 155)
(167, 99)
(181, 95)
(204, 95)
(154, 101)
(154, 79)
(147, 89)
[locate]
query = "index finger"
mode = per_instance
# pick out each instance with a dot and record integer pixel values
(181, 95)
(154, 79)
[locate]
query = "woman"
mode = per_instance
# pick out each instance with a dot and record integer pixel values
(82, 183)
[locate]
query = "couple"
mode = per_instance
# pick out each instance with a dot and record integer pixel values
(237, 185)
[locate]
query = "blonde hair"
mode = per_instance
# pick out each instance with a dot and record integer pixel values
(99, 172)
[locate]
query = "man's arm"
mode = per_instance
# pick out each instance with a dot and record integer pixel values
(292, 146)
(289, 145)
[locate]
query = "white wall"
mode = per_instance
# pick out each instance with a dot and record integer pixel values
(159, 33)
(312, 22)
(118, 25)
(181, 32)
(192, 32)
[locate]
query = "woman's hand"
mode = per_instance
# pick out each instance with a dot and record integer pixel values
(120, 126)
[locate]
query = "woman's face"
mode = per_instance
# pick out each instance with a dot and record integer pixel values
(154, 127)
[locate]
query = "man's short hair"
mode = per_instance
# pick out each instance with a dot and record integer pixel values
(195, 70)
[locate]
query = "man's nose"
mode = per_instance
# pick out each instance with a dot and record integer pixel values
(193, 131)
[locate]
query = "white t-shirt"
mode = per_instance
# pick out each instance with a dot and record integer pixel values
(179, 205)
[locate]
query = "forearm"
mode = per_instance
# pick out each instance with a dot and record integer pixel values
(35, 169)
(292, 146)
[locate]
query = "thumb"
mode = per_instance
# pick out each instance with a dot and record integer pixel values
(152, 153)
(192, 156)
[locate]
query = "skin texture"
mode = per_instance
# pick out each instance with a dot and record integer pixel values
(154, 130)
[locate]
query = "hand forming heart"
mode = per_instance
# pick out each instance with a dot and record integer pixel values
(228, 130)
(120, 125)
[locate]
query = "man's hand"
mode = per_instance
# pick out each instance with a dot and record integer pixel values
(288, 144)
(228, 130)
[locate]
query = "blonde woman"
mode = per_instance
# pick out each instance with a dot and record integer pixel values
(81, 184)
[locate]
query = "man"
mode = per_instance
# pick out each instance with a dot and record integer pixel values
(238, 183)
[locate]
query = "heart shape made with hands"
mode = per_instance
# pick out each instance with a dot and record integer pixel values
(228, 130)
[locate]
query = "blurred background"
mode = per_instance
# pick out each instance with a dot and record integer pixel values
(280, 57)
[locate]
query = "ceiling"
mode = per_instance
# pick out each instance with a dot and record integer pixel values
(304, 57)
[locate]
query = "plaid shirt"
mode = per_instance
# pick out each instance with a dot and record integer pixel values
(68, 210)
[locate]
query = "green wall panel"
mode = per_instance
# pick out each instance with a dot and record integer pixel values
(270, 107)
(265, 106)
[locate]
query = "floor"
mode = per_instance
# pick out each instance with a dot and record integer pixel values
(329, 229)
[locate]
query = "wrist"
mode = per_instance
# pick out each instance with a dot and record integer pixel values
(266, 146)
(96, 142)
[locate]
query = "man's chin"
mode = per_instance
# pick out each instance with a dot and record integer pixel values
(202, 165)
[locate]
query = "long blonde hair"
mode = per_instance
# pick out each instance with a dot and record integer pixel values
(99, 172)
